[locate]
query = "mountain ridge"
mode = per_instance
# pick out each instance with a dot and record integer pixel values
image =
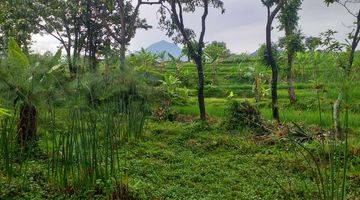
(168, 47)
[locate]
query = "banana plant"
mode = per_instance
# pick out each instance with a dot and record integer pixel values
(171, 83)
(175, 62)
(28, 82)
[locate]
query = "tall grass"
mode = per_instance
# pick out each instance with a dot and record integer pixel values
(326, 162)
(85, 150)
(7, 145)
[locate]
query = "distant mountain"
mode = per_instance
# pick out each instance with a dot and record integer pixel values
(164, 46)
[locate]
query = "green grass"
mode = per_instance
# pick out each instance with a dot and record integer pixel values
(176, 160)
(185, 161)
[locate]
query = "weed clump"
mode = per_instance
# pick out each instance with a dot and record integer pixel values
(242, 115)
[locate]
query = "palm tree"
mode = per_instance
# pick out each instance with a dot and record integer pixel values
(28, 82)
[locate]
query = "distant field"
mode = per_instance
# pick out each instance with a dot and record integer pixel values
(230, 80)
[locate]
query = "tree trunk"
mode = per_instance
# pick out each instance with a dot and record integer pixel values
(122, 57)
(274, 94)
(272, 63)
(201, 98)
(27, 126)
(72, 68)
(93, 59)
(290, 80)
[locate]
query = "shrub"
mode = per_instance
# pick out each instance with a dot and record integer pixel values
(244, 115)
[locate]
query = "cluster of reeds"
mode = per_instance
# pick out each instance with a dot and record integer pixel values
(7, 145)
(84, 149)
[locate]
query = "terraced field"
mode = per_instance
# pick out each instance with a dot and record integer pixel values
(235, 80)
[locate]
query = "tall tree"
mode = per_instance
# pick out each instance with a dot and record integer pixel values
(63, 19)
(121, 19)
(353, 8)
(292, 42)
(172, 20)
(271, 14)
(95, 32)
(17, 21)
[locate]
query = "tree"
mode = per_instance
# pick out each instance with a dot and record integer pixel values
(292, 42)
(353, 42)
(95, 33)
(18, 21)
(214, 53)
(354, 36)
(27, 81)
(172, 20)
(271, 14)
(216, 50)
(312, 43)
(121, 20)
(185, 51)
(63, 19)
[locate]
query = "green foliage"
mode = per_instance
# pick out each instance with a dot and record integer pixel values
(143, 59)
(293, 43)
(8, 146)
(18, 21)
(89, 143)
(28, 80)
(216, 51)
(171, 83)
(326, 162)
(238, 58)
(312, 43)
(4, 112)
(289, 15)
(263, 55)
(241, 115)
(329, 42)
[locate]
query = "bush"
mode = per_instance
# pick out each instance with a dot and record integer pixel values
(244, 115)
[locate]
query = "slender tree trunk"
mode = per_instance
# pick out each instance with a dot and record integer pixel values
(290, 80)
(93, 59)
(272, 63)
(27, 126)
(201, 80)
(72, 68)
(274, 94)
(122, 57)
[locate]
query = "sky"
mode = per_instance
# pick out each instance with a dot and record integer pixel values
(242, 26)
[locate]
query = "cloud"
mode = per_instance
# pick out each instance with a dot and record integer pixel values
(242, 26)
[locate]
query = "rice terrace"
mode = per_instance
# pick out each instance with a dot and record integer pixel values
(180, 99)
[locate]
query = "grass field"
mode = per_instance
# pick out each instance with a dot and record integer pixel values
(191, 160)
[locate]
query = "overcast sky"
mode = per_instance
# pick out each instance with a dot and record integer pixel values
(242, 26)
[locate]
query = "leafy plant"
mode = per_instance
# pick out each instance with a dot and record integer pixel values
(4, 112)
(27, 82)
(171, 83)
